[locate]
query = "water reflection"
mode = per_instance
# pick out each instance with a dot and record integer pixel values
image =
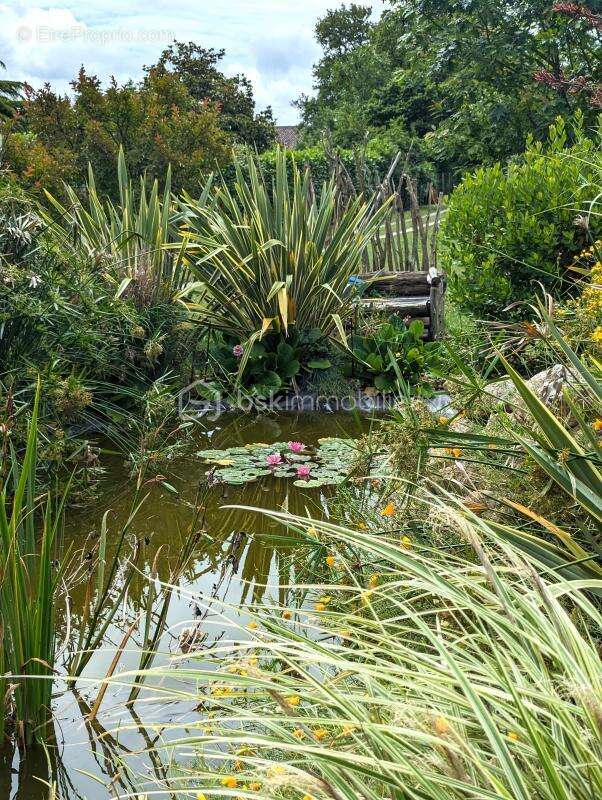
(239, 557)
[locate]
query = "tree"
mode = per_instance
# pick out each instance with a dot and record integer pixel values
(457, 75)
(156, 122)
(11, 92)
(345, 78)
(197, 68)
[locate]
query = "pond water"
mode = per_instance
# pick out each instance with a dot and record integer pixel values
(241, 557)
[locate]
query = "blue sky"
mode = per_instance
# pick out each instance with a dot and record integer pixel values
(271, 41)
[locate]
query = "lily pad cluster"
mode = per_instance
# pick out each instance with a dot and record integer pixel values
(328, 464)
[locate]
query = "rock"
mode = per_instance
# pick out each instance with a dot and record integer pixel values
(548, 385)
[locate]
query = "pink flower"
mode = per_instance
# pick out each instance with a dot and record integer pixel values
(238, 350)
(296, 447)
(303, 471)
(274, 459)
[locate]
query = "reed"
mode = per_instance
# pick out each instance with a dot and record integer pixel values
(30, 577)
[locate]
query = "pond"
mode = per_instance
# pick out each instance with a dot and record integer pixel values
(240, 557)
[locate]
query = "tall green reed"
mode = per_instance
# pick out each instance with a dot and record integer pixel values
(30, 577)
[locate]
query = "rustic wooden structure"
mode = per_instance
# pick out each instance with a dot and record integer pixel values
(420, 295)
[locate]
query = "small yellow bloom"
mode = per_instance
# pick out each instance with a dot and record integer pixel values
(311, 531)
(252, 625)
(456, 452)
(443, 421)
(373, 581)
(230, 782)
(200, 796)
(513, 736)
(345, 633)
(362, 526)
(442, 726)
(320, 733)
(598, 425)
(406, 543)
(293, 700)
(388, 510)
(330, 560)
(320, 607)
(307, 797)
(255, 786)
(286, 615)
(298, 733)
(325, 599)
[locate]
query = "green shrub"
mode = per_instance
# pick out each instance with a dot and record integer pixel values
(394, 352)
(510, 227)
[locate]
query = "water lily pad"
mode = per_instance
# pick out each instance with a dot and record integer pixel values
(331, 463)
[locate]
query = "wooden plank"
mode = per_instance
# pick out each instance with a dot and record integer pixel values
(412, 306)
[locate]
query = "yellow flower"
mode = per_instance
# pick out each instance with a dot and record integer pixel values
(298, 733)
(311, 531)
(200, 796)
(293, 700)
(513, 736)
(320, 733)
(286, 615)
(255, 786)
(230, 782)
(456, 452)
(443, 421)
(373, 580)
(330, 561)
(252, 625)
(406, 543)
(325, 599)
(361, 526)
(442, 726)
(388, 510)
(320, 607)
(597, 335)
(307, 797)
(598, 425)
(344, 633)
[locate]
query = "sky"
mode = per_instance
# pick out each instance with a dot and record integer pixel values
(270, 41)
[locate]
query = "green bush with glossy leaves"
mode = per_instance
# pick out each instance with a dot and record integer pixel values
(509, 228)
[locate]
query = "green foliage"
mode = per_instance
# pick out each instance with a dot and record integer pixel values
(29, 580)
(456, 77)
(271, 365)
(157, 123)
(508, 228)
(454, 675)
(394, 353)
(271, 258)
(130, 238)
(562, 444)
(197, 68)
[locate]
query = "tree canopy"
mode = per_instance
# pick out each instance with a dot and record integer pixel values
(460, 75)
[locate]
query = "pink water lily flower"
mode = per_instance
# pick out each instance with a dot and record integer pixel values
(238, 350)
(296, 447)
(303, 471)
(274, 459)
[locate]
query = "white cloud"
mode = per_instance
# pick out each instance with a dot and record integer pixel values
(268, 40)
